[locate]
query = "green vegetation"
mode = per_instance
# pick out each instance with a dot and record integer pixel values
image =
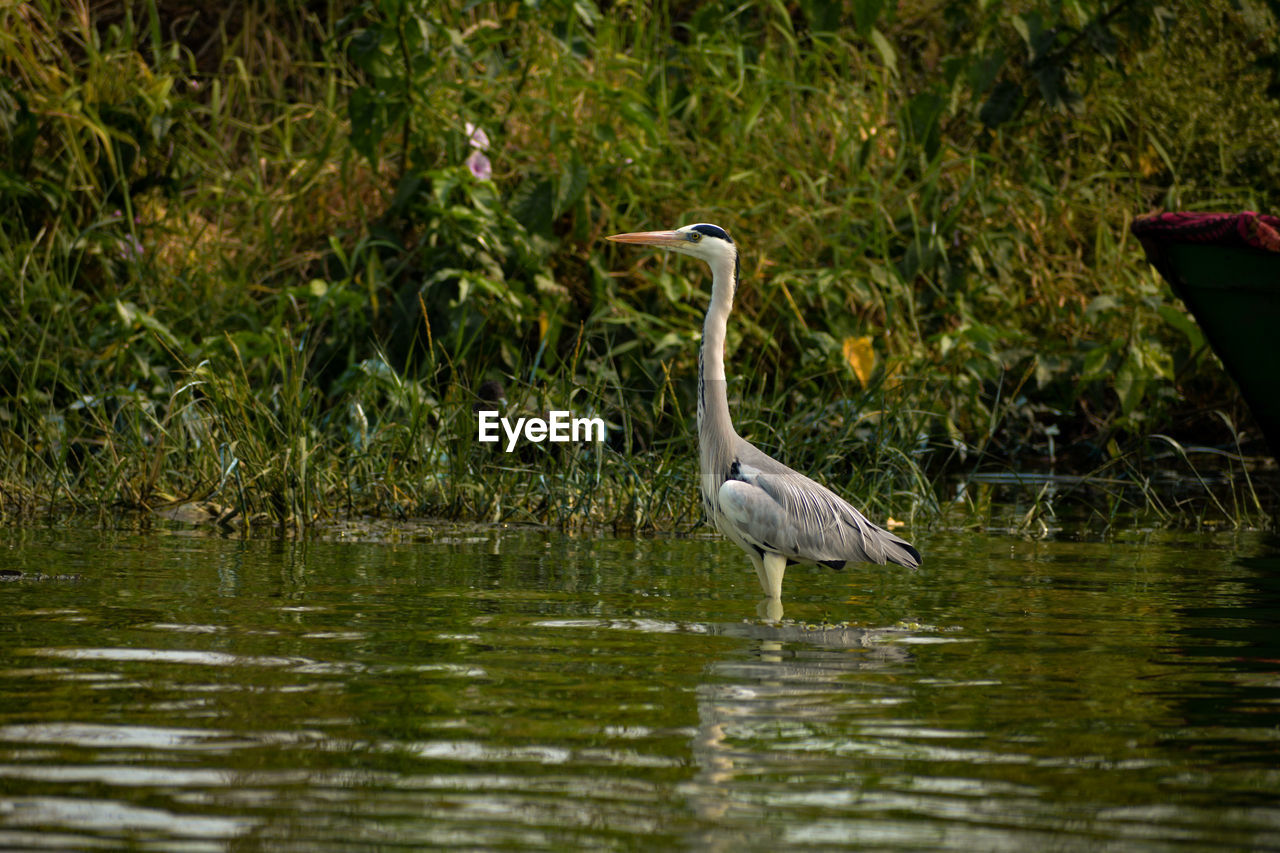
(268, 259)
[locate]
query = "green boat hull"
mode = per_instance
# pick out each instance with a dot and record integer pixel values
(1234, 294)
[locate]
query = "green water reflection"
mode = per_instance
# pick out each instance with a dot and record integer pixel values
(516, 689)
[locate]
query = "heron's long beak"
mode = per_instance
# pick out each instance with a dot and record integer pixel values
(662, 239)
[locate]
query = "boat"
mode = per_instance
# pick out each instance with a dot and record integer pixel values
(1226, 268)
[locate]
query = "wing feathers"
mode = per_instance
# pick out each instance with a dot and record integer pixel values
(772, 507)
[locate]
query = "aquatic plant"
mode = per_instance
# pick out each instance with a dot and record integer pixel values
(269, 262)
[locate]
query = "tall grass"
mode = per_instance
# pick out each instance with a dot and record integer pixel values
(254, 261)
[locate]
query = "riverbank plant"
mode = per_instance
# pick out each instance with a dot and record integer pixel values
(268, 261)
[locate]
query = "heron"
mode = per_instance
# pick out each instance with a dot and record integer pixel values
(778, 516)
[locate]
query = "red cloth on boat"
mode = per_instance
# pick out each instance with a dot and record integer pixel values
(1256, 230)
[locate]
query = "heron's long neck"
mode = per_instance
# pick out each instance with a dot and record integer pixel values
(715, 428)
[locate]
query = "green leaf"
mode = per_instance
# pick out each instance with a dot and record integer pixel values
(1131, 385)
(533, 205)
(366, 129)
(865, 15)
(571, 185)
(364, 50)
(1096, 363)
(1184, 324)
(1019, 24)
(922, 119)
(887, 54)
(1099, 304)
(131, 316)
(1001, 105)
(636, 113)
(1055, 89)
(824, 15)
(983, 70)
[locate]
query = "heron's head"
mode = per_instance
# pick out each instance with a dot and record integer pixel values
(711, 243)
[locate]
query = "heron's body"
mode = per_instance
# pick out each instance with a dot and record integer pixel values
(777, 515)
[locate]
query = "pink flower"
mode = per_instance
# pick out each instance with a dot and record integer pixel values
(480, 166)
(477, 138)
(129, 248)
(478, 163)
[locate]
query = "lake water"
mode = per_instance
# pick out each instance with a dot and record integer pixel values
(514, 689)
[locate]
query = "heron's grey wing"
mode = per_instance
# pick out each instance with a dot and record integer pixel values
(781, 510)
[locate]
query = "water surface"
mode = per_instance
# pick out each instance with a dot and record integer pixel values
(509, 689)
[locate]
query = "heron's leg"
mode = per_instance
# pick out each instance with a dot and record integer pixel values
(771, 575)
(770, 608)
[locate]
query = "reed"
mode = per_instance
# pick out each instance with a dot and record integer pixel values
(267, 265)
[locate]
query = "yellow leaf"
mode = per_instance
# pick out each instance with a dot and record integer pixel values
(861, 357)
(1149, 162)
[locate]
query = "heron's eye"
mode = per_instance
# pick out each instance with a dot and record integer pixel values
(694, 236)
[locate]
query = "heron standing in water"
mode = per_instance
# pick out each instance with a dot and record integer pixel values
(777, 515)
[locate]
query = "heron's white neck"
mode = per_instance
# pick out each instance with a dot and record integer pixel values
(715, 427)
(723, 282)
